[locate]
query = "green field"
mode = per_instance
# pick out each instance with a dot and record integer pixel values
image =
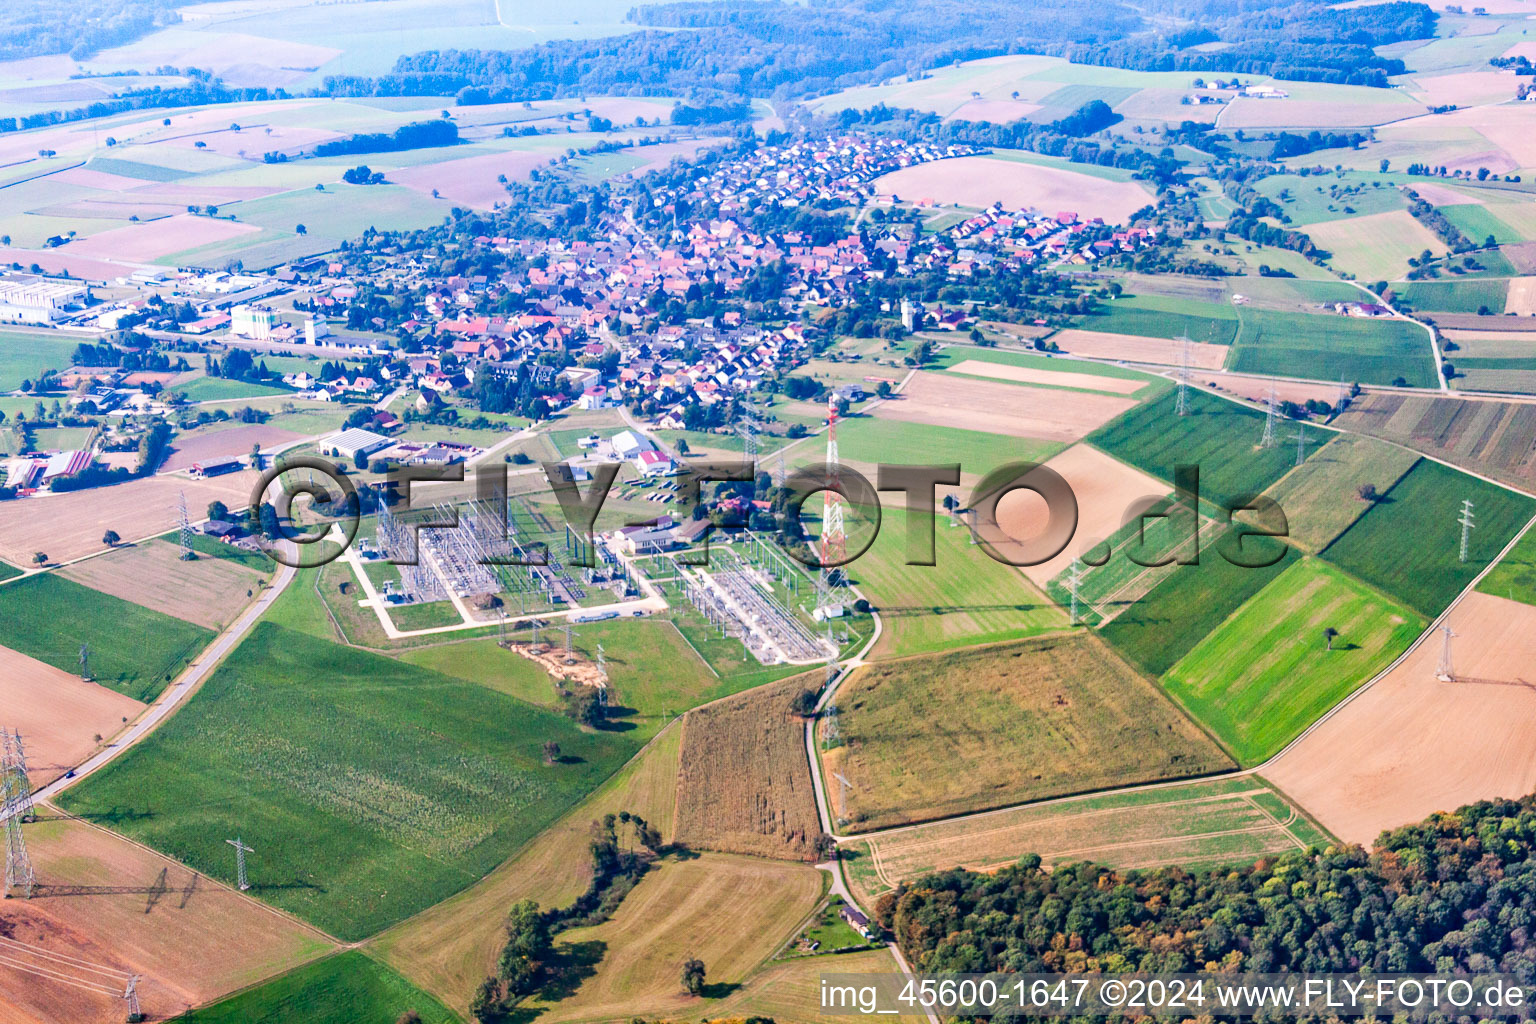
(965, 598)
(1266, 673)
(349, 988)
(1220, 437)
(868, 439)
(370, 789)
(1186, 605)
(1468, 296)
(1515, 576)
(25, 354)
(1408, 544)
(212, 389)
(1321, 497)
(1333, 347)
(1161, 316)
(133, 649)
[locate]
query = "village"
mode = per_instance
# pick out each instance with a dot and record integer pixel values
(580, 323)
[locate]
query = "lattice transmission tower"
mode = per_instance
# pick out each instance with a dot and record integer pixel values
(1270, 413)
(834, 531)
(240, 851)
(1467, 526)
(15, 808)
(184, 532)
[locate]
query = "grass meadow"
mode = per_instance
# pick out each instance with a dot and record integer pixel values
(868, 440)
(133, 650)
(1515, 577)
(1267, 672)
(966, 597)
(924, 736)
(1408, 544)
(1218, 436)
(370, 789)
(1333, 347)
(1321, 498)
(349, 988)
(25, 354)
(1467, 296)
(1186, 605)
(1161, 316)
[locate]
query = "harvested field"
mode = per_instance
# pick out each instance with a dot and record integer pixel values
(1464, 89)
(1135, 349)
(1256, 389)
(790, 990)
(471, 180)
(1411, 745)
(1105, 489)
(70, 524)
(450, 947)
(58, 714)
(935, 736)
(1376, 247)
(1368, 107)
(1521, 298)
(1492, 437)
(220, 443)
(979, 181)
(114, 904)
(1230, 821)
(207, 591)
(730, 912)
(68, 259)
(1054, 378)
(744, 785)
(1321, 498)
(1001, 409)
(147, 242)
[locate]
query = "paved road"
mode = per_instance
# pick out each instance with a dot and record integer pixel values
(177, 693)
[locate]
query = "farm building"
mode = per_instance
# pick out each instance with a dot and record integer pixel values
(349, 444)
(628, 445)
(856, 920)
(215, 467)
(654, 463)
(66, 464)
(254, 322)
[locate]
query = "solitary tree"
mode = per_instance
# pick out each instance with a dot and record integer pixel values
(551, 751)
(1328, 634)
(40, 559)
(1367, 492)
(110, 538)
(300, 229)
(408, 1017)
(217, 511)
(693, 976)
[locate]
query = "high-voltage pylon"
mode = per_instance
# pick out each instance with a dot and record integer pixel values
(834, 531)
(1467, 526)
(1074, 581)
(747, 426)
(1270, 413)
(240, 851)
(602, 663)
(85, 663)
(1301, 442)
(184, 522)
(1182, 405)
(15, 808)
(1445, 671)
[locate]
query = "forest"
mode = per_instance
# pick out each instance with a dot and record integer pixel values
(31, 28)
(753, 48)
(1452, 893)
